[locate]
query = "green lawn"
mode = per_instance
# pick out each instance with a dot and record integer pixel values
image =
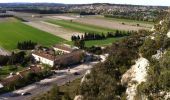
(80, 26)
(12, 32)
(106, 42)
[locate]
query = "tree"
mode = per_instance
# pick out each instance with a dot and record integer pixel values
(66, 97)
(54, 93)
(80, 44)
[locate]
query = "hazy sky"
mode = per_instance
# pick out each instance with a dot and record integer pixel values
(138, 2)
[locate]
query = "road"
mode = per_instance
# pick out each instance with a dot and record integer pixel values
(43, 86)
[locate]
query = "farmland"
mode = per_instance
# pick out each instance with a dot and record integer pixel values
(13, 31)
(105, 42)
(80, 26)
(114, 23)
(53, 29)
(101, 21)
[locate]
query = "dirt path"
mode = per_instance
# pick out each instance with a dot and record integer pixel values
(53, 29)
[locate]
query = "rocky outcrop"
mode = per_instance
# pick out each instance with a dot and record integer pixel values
(78, 97)
(135, 76)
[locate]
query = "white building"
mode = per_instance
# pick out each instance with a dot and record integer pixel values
(44, 58)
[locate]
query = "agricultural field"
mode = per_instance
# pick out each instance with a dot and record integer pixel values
(13, 31)
(107, 23)
(113, 23)
(105, 42)
(81, 27)
(53, 29)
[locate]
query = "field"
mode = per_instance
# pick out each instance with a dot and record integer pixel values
(107, 23)
(114, 23)
(13, 31)
(80, 26)
(106, 42)
(53, 29)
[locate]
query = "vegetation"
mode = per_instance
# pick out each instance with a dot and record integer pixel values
(104, 81)
(14, 31)
(65, 92)
(6, 70)
(26, 80)
(159, 70)
(95, 36)
(81, 27)
(16, 58)
(135, 15)
(79, 43)
(26, 45)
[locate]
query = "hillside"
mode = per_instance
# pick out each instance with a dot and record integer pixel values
(138, 68)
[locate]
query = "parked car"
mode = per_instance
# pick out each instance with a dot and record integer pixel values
(76, 73)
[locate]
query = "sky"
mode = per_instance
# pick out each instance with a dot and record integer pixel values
(136, 2)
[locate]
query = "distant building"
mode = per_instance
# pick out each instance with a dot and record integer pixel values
(44, 57)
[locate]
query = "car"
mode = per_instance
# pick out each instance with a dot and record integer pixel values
(76, 73)
(25, 93)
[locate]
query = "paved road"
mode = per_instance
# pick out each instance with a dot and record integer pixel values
(43, 86)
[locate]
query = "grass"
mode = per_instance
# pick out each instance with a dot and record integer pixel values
(11, 32)
(105, 42)
(86, 28)
(125, 20)
(80, 26)
(6, 70)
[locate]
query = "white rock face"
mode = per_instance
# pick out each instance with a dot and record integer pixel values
(161, 22)
(78, 97)
(152, 37)
(135, 76)
(168, 34)
(153, 29)
(167, 96)
(158, 55)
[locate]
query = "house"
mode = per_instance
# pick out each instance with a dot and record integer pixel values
(63, 48)
(53, 60)
(44, 57)
(70, 59)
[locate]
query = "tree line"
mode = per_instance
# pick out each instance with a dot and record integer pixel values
(96, 36)
(26, 45)
(15, 58)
